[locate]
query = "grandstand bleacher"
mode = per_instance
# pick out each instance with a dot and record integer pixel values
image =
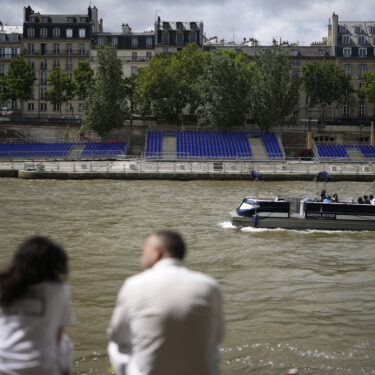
(340, 151)
(212, 145)
(59, 150)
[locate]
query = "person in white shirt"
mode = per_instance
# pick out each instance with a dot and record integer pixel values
(34, 309)
(168, 319)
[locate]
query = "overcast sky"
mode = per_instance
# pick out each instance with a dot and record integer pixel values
(302, 21)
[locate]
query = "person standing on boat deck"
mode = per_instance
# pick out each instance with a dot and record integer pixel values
(366, 200)
(360, 200)
(372, 200)
(34, 309)
(323, 195)
(168, 319)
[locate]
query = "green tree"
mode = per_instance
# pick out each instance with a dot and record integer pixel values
(368, 90)
(167, 85)
(62, 88)
(222, 91)
(19, 81)
(83, 78)
(325, 83)
(129, 91)
(273, 91)
(106, 107)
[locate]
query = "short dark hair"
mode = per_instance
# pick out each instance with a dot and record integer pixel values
(172, 243)
(37, 259)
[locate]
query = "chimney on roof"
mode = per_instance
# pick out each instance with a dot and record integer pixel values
(101, 25)
(126, 29)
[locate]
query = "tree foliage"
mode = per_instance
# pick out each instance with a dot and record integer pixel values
(273, 91)
(19, 81)
(325, 83)
(222, 91)
(62, 88)
(167, 85)
(106, 107)
(83, 78)
(368, 90)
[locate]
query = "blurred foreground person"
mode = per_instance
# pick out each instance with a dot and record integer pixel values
(168, 319)
(34, 309)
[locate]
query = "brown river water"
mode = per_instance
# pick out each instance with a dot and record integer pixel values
(292, 299)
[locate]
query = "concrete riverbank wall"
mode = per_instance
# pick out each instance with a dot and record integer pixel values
(140, 169)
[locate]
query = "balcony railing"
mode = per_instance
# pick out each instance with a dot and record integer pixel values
(74, 52)
(8, 56)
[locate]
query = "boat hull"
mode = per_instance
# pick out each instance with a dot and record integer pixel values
(301, 223)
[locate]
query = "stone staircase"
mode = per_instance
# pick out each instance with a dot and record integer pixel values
(75, 152)
(257, 148)
(355, 154)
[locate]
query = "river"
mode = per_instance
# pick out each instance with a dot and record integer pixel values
(292, 299)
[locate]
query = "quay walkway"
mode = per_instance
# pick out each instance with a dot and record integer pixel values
(141, 169)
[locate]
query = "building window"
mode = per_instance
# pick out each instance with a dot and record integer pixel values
(43, 107)
(322, 52)
(56, 107)
(100, 40)
(82, 33)
(32, 19)
(42, 93)
(345, 39)
(346, 110)
(361, 84)
(69, 107)
(43, 33)
(361, 70)
(134, 56)
(180, 38)
(134, 69)
(83, 19)
(43, 78)
(43, 64)
(134, 42)
(30, 48)
(193, 39)
(81, 48)
(2, 37)
(148, 42)
(30, 107)
(31, 32)
(45, 19)
(56, 32)
(56, 62)
(70, 19)
(81, 107)
(347, 52)
(165, 38)
(56, 48)
(361, 39)
(148, 56)
(362, 52)
(14, 37)
(114, 41)
(361, 110)
(179, 25)
(342, 29)
(2, 70)
(31, 63)
(357, 30)
(69, 64)
(348, 69)
(69, 48)
(165, 25)
(69, 33)
(193, 26)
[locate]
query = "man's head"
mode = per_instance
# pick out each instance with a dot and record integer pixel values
(162, 244)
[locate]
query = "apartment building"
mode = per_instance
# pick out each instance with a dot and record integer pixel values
(55, 40)
(10, 48)
(134, 49)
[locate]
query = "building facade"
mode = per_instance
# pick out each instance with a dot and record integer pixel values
(55, 40)
(10, 48)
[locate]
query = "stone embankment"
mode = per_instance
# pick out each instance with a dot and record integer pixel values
(140, 169)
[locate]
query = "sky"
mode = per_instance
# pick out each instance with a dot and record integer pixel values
(302, 21)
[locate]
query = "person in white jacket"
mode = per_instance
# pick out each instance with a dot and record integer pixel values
(168, 319)
(34, 309)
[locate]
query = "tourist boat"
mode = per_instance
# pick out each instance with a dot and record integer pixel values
(303, 213)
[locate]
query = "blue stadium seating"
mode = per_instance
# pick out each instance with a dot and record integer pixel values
(368, 151)
(212, 145)
(332, 151)
(34, 150)
(104, 149)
